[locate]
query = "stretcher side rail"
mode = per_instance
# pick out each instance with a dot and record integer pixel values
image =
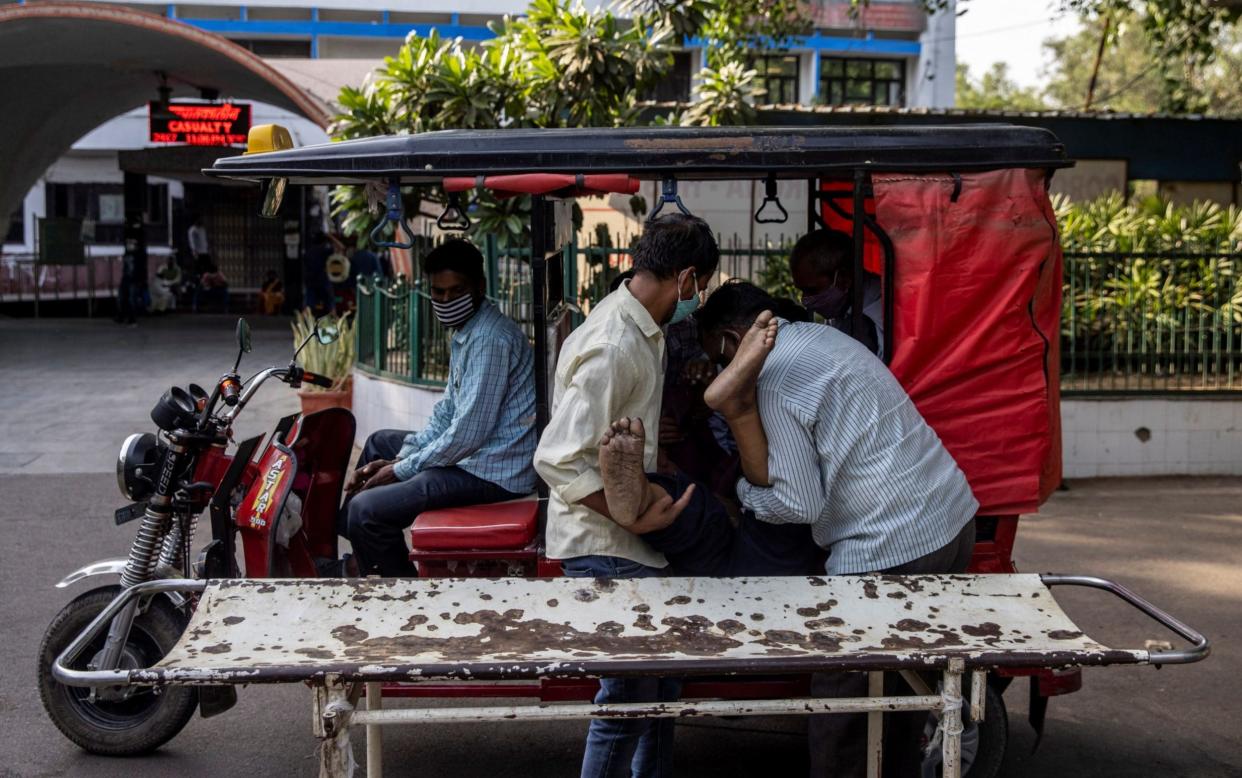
(1200, 645)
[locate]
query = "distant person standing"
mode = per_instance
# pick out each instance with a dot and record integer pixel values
(320, 297)
(126, 292)
(197, 238)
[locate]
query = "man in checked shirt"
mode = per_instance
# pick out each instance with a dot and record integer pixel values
(477, 445)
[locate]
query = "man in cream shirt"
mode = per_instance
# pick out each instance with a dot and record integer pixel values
(609, 368)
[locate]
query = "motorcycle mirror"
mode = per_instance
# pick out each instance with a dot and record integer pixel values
(326, 333)
(273, 196)
(243, 342)
(243, 336)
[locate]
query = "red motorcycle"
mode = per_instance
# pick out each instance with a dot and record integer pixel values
(280, 508)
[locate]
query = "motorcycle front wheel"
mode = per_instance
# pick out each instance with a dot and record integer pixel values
(142, 720)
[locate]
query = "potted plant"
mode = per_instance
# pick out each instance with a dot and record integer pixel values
(334, 360)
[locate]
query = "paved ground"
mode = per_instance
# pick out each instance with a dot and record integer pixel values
(71, 391)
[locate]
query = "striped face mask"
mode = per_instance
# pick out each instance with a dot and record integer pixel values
(454, 313)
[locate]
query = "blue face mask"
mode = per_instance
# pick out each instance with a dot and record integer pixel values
(686, 307)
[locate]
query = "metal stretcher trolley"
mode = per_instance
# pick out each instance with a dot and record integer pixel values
(341, 634)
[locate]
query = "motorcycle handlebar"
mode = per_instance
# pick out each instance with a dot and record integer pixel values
(316, 380)
(251, 387)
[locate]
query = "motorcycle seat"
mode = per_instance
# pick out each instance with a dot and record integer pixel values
(507, 525)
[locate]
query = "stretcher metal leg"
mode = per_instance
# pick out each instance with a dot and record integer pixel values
(333, 713)
(952, 718)
(978, 694)
(375, 733)
(875, 726)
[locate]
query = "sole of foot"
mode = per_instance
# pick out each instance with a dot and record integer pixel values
(621, 467)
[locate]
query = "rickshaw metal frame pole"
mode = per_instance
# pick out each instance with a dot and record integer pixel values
(859, 215)
(539, 303)
(812, 205)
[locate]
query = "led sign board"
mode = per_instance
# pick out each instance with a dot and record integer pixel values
(199, 124)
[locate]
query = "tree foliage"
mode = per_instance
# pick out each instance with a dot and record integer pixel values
(995, 90)
(1130, 78)
(560, 64)
(1182, 34)
(1133, 73)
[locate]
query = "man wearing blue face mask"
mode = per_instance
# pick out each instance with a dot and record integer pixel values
(822, 266)
(477, 445)
(610, 367)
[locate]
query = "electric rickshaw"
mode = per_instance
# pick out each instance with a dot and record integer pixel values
(956, 223)
(939, 206)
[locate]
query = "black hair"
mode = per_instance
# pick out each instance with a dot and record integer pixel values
(615, 283)
(674, 242)
(790, 310)
(457, 255)
(734, 304)
(829, 252)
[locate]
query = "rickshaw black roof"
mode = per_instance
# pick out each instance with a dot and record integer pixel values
(656, 152)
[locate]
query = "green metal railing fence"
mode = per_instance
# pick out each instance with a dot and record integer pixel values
(1139, 322)
(1151, 322)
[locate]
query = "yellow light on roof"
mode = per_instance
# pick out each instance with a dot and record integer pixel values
(268, 137)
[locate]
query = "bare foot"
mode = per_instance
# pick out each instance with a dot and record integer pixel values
(621, 466)
(733, 391)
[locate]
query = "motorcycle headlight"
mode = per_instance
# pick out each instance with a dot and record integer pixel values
(135, 466)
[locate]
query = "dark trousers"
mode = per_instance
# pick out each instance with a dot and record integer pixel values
(838, 742)
(375, 520)
(703, 540)
(125, 294)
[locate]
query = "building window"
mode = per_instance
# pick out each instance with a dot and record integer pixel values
(17, 227)
(845, 81)
(674, 86)
(778, 78)
(276, 47)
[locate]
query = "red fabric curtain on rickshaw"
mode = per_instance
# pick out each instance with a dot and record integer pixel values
(977, 324)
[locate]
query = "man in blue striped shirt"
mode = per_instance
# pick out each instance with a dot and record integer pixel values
(479, 443)
(831, 441)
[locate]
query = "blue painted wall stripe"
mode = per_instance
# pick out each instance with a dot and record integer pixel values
(819, 43)
(342, 29)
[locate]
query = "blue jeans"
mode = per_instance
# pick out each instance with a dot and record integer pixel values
(619, 748)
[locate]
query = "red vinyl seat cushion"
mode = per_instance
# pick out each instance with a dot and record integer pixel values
(497, 525)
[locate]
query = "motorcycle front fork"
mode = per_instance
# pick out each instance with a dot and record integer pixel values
(157, 546)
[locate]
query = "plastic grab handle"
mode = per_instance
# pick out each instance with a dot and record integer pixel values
(315, 379)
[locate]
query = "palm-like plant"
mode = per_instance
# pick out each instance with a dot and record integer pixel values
(726, 96)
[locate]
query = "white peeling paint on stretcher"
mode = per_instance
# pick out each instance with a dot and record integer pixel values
(388, 629)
